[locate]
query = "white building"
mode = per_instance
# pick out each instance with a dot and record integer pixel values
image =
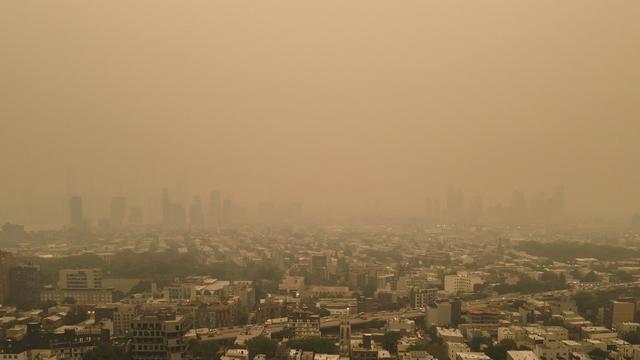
(461, 283)
(450, 335)
(80, 279)
(472, 356)
(401, 325)
(521, 355)
(453, 348)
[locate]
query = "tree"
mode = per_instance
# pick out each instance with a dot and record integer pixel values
(47, 304)
(499, 351)
(314, 343)
(204, 349)
(632, 337)
(477, 341)
(436, 349)
(433, 334)
(548, 281)
(623, 276)
(589, 302)
(262, 345)
(419, 346)
(591, 277)
(439, 351)
(597, 354)
(369, 289)
(118, 295)
(141, 287)
(390, 341)
(548, 276)
(76, 316)
(105, 352)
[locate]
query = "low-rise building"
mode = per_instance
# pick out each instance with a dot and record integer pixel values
(472, 356)
(453, 348)
(450, 335)
(521, 355)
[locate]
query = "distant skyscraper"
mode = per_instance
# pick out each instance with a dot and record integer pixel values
(214, 209)
(557, 201)
(165, 206)
(173, 215)
(537, 207)
(226, 212)
(135, 216)
(118, 206)
(196, 216)
(178, 216)
(476, 208)
(76, 214)
(437, 210)
(290, 212)
(518, 211)
(428, 209)
(455, 204)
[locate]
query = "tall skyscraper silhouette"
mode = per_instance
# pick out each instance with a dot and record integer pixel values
(455, 204)
(173, 215)
(76, 213)
(165, 206)
(226, 212)
(117, 211)
(428, 209)
(518, 207)
(135, 216)
(214, 208)
(476, 208)
(196, 216)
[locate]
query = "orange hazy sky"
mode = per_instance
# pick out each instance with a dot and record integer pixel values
(359, 107)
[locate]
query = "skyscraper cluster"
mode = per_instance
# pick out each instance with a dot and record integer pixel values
(215, 210)
(117, 210)
(541, 208)
(218, 211)
(455, 210)
(117, 214)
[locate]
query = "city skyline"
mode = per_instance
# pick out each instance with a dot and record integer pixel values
(220, 210)
(320, 180)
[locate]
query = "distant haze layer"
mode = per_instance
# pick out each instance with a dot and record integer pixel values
(361, 107)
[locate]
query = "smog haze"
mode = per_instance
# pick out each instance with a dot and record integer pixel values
(350, 108)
